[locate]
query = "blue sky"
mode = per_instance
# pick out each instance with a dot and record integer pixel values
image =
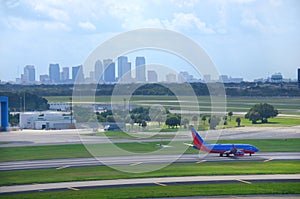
(244, 38)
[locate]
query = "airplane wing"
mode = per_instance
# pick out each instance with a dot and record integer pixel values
(188, 144)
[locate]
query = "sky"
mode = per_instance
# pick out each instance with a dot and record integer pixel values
(244, 38)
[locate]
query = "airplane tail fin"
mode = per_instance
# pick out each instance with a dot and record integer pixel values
(197, 139)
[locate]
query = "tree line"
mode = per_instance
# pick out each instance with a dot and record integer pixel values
(200, 89)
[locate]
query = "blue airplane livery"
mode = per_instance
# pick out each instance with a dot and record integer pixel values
(222, 149)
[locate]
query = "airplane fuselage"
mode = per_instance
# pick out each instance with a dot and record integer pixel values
(235, 149)
(222, 148)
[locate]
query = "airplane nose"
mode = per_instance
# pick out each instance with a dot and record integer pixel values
(256, 149)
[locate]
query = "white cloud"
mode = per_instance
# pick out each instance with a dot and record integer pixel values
(249, 19)
(51, 9)
(184, 3)
(187, 21)
(86, 25)
(30, 26)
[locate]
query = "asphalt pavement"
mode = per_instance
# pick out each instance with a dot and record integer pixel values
(142, 159)
(162, 181)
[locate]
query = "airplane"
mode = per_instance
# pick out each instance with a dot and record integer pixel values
(222, 149)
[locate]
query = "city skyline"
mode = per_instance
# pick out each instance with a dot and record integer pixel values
(241, 37)
(125, 74)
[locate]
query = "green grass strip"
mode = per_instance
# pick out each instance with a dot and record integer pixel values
(79, 151)
(176, 169)
(169, 191)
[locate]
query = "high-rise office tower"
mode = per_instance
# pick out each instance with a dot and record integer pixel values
(99, 71)
(77, 74)
(29, 74)
(124, 69)
(109, 71)
(299, 78)
(54, 73)
(65, 74)
(152, 76)
(140, 68)
(171, 77)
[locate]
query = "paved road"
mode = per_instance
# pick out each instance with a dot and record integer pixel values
(137, 160)
(164, 181)
(56, 137)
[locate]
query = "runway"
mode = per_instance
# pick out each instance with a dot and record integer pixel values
(81, 136)
(142, 159)
(163, 181)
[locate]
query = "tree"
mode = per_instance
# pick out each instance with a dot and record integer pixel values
(144, 124)
(110, 118)
(261, 112)
(195, 120)
(14, 119)
(225, 119)
(172, 121)
(213, 122)
(203, 119)
(238, 120)
(230, 114)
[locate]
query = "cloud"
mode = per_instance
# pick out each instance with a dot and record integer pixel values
(30, 26)
(52, 9)
(86, 25)
(187, 21)
(184, 3)
(250, 20)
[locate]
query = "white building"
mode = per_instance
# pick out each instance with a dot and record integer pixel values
(46, 120)
(59, 106)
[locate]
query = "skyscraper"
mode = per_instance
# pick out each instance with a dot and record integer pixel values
(171, 77)
(65, 74)
(98, 71)
(124, 69)
(299, 78)
(29, 74)
(54, 73)
(109, 71)
(140, 69)
(77, 74)
(152, 76)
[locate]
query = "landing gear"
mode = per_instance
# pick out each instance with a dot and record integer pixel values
(250, 154)
(221, 154)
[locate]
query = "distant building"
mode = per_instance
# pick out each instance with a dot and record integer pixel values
(77, 74)
(224, 78)
(29, 74)
(65, 74)
(59, 106)
(46, 120)
(207, 78)
(99, 72)
(276, 78)
(54, 73)
(235, 80)
(185, 77)
(110, 71)
(44, 79)
(152, 76)
(140, 67)
(299, 78)
(171, 77)
(124, 69)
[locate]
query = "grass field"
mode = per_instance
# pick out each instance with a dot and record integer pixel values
(168, 191)
(236, 104)
(176, 169)
(79, 151)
